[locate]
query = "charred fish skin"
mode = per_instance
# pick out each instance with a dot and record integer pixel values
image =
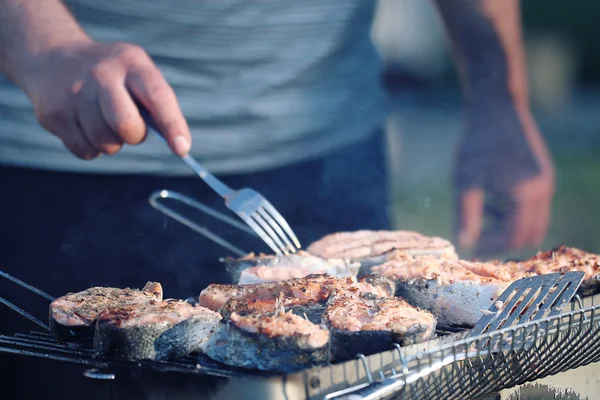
(158, 338)
(72, 317)
(347, 345)
(63, 333)
(234, 346)
(135, 343)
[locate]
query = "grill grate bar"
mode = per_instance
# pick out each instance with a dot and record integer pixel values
(48, 355)
(26, 286)
(43, 345)
(24, 313)
(38, 345)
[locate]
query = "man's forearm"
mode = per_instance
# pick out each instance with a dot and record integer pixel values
(28, 28)
(487, 42)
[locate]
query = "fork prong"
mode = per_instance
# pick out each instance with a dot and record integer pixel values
(261, 221)
(267, 217)
(281, 221)
(261, 233)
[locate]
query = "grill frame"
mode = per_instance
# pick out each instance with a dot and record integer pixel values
(568, 341)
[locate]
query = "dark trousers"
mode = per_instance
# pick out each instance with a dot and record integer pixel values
(64, 232)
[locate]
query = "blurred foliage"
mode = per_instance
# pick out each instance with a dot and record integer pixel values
(575, 20)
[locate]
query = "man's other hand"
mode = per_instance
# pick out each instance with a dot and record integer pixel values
(526, 201)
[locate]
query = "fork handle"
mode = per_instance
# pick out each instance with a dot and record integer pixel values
(216, 184)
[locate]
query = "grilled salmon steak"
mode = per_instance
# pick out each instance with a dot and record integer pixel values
(262, 268)
(282, 342)
(157, 330)
(312, 288)
(73, 316)
(365, 244)
(369, 324)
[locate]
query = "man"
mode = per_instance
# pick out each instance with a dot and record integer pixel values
(284, 97)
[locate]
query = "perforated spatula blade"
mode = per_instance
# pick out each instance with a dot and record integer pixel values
(527, 300)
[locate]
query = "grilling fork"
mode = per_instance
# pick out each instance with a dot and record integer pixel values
(249, 205)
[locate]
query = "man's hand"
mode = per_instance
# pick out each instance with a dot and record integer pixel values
(527, 213)
(85, 92)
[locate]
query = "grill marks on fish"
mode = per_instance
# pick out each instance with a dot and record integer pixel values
(368, 243)
(158, 330)
(309, 289)
(216, 296)
(370, 313)
(303, 296)
(406, 268)
(308, 309)
(370, 324)
(279, 330)
(282, 342)
(563, 259)
(283, 324)
(262, 268)
(455, 291)
(72, 316)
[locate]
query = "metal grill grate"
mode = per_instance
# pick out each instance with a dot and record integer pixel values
(41, 344)
(453, 366)
(44, 345)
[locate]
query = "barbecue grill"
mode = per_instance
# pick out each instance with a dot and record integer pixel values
(453, 366)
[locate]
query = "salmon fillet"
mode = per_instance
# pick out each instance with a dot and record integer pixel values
(72, 316)
(563, 259)
(367, 243)
(157, 330)
(313, 288)
(281, 342)
(269, 268)
(407, 268)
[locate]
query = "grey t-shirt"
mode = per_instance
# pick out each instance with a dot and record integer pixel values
(262, 83)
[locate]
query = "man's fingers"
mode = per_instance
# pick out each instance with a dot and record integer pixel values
(524, 219)
(544, 211)
(121, 114)
(96, 130)
(542, 222)
(66, 128)
(77, 143)
(153, 92)
(471, 204)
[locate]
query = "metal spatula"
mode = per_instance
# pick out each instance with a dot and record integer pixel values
(530, 299)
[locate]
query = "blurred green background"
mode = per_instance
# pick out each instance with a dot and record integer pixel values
(563, 54)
